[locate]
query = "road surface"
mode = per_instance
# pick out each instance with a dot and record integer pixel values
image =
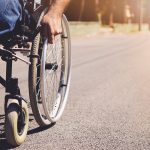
(109, 102)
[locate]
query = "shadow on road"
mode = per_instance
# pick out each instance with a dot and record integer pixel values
(40, 129)
(3, 143)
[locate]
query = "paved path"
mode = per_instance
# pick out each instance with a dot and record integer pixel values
(109, 103)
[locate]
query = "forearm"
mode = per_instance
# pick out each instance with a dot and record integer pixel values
(58, 6)
(52, 19)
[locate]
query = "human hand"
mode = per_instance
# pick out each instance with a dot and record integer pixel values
(51, 23)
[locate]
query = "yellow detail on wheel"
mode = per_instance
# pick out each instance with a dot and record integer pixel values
(16, 133)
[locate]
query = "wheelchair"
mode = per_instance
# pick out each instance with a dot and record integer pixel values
(48, 76)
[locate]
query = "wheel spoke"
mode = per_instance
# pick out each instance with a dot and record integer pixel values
(38, 81)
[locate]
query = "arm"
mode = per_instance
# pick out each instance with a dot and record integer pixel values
(52, 20)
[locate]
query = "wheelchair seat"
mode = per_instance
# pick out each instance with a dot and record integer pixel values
(24, 30)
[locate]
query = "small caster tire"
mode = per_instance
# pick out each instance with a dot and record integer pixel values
(16, 125)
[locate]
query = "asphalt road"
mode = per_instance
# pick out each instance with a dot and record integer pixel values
(109, 102)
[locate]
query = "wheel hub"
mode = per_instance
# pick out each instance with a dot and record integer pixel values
(51, 66)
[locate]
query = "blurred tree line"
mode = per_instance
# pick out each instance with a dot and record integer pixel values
(109, 11)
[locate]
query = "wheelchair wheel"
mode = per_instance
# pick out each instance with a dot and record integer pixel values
(55, 74)
(16, 125)
(50, 76)
(34, 82)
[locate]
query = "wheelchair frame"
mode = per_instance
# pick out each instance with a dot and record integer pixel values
(8, 54)
(21, 36)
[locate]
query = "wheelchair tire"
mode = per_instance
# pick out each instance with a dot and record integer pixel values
(55, 74)
(51, 94)
(16, 130)
(34, 83)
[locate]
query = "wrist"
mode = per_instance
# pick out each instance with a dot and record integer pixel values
(58, 6)
(55, 10)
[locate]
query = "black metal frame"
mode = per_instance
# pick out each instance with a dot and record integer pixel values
(11, 84)
(26, 34)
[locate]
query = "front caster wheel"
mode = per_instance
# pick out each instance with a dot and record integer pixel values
(16, 123)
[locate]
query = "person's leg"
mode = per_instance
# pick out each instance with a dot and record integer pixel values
(10, 13)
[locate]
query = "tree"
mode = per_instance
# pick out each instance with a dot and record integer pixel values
(99, 10)
(81, 9)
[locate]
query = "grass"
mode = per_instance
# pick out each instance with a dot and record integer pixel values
(130, 28)
(84, 28)
(93, 28)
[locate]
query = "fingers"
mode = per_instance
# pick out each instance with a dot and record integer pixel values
(52, 32)
(51, 28)
(46, 33)
(51, 38)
